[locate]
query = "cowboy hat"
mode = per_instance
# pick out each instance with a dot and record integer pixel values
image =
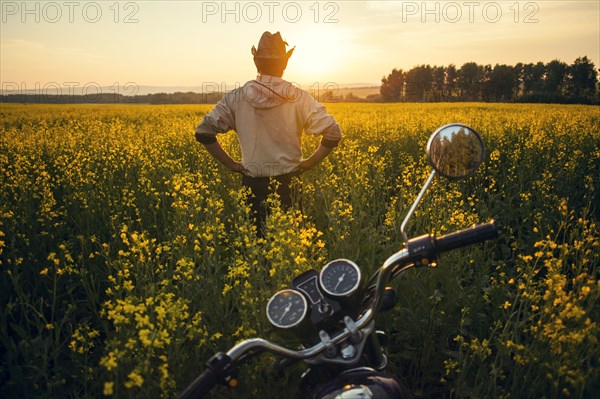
(271, 46)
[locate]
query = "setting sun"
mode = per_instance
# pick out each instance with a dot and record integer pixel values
(321, 54)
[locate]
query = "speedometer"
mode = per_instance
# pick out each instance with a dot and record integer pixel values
(340, 277)
(287, 308)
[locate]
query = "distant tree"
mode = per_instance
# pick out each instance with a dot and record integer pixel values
(470, 77)
(501, 84)
(392, 86)
(452, 81)
(351, 98)
(375, 98)
(583, 78)
(329, 97)
(556, 74)
(418, 83)
(553, 82)
(161, 98)
(518, 77)
(487, 89)
(533, 78)
(439, 89)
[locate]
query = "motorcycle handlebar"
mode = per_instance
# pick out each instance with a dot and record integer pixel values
(201, 385)
(207, 380)
(462, 238)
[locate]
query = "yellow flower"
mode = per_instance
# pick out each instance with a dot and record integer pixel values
(144, 337)
(164, 370)
(108, 388)
(110, 361)
(134, 380)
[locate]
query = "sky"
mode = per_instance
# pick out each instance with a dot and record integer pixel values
(130, 44)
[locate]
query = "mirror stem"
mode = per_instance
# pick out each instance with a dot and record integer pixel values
(414, 206)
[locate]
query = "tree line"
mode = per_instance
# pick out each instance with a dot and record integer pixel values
(554, 82)
(114, 98)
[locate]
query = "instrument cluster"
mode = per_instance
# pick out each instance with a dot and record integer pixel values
(315, 296)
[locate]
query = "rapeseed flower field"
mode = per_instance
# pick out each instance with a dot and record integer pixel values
(128, 256)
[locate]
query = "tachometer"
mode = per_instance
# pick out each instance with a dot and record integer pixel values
(287, 308)
(340, 277)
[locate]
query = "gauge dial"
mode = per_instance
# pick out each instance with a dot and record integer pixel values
(287, 308)
(340, 277)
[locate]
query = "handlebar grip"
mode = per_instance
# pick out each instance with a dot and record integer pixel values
(466, 237)
(201, 385)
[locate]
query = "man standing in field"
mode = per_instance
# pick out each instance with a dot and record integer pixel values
(269, 115)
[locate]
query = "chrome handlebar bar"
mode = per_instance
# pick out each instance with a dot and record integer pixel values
(391, 264)
(418, 251)
(421, 250)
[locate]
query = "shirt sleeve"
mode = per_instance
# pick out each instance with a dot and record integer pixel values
(320, 122)
(219, 120)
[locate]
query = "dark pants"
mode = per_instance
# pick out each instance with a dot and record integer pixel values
(262, 187)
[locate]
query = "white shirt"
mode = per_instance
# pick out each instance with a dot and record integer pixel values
(269, 115)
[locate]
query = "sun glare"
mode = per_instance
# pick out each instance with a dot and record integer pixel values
(319, 54)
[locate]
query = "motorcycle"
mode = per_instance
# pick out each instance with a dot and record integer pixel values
(333, 311)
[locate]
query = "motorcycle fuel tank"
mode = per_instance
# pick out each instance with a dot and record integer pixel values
(362, 383)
